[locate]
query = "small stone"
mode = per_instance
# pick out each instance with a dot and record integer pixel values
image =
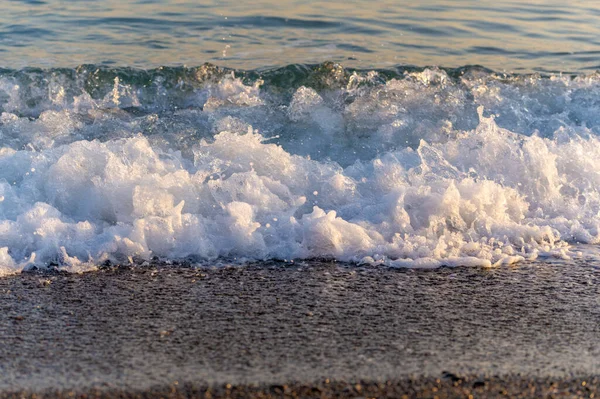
(277, 389)
(45, 283)
(479, 384)
(452, 377)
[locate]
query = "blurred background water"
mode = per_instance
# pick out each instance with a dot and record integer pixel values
(504, 35)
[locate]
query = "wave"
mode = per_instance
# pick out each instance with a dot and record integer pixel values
(406, 167)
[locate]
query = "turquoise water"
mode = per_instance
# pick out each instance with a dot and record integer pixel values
(503, 35)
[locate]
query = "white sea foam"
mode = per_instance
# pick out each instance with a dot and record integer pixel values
(424, 170)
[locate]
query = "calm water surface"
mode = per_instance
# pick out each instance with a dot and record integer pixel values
(502, 35)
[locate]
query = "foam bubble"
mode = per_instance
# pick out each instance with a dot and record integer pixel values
(420, 170)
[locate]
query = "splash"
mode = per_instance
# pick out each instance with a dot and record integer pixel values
(407, 168)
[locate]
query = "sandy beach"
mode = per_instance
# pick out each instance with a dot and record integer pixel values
(304, 330)
(444, 387)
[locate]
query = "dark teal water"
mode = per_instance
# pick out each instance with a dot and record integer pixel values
(512, 36)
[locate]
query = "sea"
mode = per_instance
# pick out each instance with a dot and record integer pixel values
(408, 134)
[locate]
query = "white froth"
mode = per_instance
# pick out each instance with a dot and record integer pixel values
(408, 173)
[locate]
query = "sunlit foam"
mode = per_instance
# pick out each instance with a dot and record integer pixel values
(422, 170)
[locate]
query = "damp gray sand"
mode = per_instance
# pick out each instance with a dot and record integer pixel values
(313, 330)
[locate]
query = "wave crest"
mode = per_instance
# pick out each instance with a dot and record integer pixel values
(410, 168)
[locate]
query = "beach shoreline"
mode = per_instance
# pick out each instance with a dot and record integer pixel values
(281, 330)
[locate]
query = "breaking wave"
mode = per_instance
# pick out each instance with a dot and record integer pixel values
(404, 167)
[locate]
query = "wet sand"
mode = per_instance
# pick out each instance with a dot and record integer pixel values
(312, 330)
(444, 387)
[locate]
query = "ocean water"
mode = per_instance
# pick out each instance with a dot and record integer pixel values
(404, 134)
(503, 35)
